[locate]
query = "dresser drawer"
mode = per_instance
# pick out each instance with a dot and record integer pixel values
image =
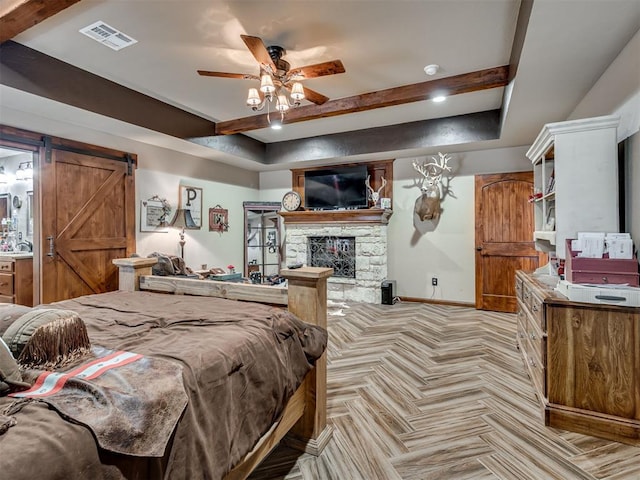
(6, 266)
(536, 307)
(5, 299)
(6, 284)
(538, 343)
(519, 288)
(521, 325)
(537, 371)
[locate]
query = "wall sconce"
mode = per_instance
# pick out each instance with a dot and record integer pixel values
(25, 171)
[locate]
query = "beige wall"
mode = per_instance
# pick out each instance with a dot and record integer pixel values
(415, 255)
(202, 246)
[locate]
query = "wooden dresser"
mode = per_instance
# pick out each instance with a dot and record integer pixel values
(583, 360)
(16, 279)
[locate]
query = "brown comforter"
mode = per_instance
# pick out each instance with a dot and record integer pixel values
(241, 362)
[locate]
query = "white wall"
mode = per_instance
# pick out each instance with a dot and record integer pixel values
(617, 92)
(633, 214)
(420, 251)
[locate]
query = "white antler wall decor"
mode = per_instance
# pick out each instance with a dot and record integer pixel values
(427, 206)
(373, 194)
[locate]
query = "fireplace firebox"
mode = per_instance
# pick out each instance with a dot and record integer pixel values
(338, 253)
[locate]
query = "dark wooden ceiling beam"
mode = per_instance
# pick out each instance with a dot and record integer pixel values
(26, 69)
(19, 15)
(464, 83)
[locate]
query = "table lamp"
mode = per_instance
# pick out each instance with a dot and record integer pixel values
(182, 220)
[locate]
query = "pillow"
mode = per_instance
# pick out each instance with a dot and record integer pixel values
(10, 375)
(9, 313)
(47, 338)
(167, 265)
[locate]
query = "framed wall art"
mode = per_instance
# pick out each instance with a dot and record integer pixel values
(218, 219)
(154, 214)
(191, 199)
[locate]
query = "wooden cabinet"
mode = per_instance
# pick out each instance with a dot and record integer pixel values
(575, 177)
(583, 360)
(16, 280)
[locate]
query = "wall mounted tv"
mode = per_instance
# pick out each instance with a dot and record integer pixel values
(336, 188)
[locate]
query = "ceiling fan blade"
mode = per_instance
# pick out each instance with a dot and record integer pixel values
(317, 70)
(258, 49)
(242, 76)
(314, 96)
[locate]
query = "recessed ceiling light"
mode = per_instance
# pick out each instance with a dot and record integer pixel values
(276, 125)
(431, 69)
(439, 98)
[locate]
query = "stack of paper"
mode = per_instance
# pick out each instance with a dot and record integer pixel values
(596, 244)
(619, 245)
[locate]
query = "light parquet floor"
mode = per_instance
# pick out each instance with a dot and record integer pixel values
(419, 392)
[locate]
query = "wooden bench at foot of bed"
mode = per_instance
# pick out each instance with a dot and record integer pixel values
(304, 420)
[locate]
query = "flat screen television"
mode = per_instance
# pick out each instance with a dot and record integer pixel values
(336, 188)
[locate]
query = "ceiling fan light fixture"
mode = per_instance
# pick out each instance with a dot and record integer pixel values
(282, 104)
(266, 84)
(297, 92)
(253, 99)
(278, 83)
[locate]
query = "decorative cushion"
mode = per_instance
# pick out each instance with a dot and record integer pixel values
(10, 313)
(10, 375)
(47, 338)
(168, 265)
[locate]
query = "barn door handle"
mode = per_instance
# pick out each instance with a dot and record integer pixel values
(478, 248)
(51, 246)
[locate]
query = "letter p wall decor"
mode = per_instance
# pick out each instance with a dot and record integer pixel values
(191, 199)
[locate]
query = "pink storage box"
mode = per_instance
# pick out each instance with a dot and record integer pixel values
(600, 270)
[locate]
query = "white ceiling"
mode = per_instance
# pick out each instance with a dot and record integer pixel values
(382, 44)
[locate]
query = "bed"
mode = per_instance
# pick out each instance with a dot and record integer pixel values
(234, 412)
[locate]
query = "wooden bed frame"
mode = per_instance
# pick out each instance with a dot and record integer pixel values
(303, 424)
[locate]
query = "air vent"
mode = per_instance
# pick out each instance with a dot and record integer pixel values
(107, 35)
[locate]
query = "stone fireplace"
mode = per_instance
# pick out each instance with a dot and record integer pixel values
(356, 243)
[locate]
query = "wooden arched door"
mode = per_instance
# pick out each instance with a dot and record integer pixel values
(504, 237)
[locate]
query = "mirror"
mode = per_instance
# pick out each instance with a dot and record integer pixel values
(262, 254)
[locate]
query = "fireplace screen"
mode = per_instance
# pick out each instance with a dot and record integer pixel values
(338, 253)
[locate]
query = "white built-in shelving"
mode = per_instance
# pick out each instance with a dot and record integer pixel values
(576, 179)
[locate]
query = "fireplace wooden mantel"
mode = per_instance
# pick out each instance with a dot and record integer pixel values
(370, 216)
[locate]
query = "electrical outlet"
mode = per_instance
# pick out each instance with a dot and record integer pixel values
(434, 281)
(203, 266)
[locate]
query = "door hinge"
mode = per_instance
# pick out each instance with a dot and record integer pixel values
(129, 164)
(48, 149)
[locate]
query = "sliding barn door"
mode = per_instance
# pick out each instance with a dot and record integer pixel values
(504, 237)
(87, 218)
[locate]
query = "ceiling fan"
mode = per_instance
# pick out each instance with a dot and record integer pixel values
(280, 74)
